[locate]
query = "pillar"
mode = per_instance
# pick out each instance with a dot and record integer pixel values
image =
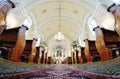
(33, 52)
(100, 45)
(87, 51)
(5, 5)
(20, 44)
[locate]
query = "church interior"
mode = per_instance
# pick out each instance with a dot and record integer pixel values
(59, 39)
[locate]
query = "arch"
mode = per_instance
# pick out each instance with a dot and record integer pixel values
(64, 43)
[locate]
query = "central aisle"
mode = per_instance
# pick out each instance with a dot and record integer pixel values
(59, 71)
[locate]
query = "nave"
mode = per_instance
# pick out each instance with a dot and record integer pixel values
(59, 39)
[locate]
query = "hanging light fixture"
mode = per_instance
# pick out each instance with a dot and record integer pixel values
(59, 36)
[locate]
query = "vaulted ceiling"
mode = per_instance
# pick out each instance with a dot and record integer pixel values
(45, 17)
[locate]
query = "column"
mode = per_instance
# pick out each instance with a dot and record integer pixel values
(87, 51)
(20, 44)
(100, 45)
(33, 52)
(5, 5)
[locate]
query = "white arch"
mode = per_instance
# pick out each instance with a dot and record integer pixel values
(64, 43)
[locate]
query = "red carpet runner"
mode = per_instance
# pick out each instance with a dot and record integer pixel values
(61, 71)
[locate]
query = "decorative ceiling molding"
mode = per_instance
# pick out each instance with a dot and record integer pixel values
(90, 6)
(54, 19)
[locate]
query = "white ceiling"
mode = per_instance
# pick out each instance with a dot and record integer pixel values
(46, 14)
(45, 18)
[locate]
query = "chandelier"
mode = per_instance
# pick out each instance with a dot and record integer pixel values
(59, 36)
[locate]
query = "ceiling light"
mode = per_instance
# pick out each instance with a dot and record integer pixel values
(59, 36)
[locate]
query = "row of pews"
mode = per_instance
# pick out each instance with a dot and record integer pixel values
(18, 49)
(21, 49)
(106, 47)
(13, 45)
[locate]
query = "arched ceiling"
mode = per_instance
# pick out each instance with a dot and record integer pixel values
(45, 17)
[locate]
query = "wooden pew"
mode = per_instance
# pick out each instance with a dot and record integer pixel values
(5, 5)
(49, 61)
(112, 40)
(90, 51)
(93, 51)
(82, 57)
(77, 57)
(8, 37)
(33, 51)
(87, 50)
(115, 10)
(37, 55)
(105, 41)
(69, 59)
(73, 58)
(46, 55)
(41, 55)
(15, 38)
(27, 51)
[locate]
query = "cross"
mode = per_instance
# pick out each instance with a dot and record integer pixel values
(59, 15)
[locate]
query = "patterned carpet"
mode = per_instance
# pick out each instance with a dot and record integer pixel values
(19, 70)
(58, 71)
(61, 71)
